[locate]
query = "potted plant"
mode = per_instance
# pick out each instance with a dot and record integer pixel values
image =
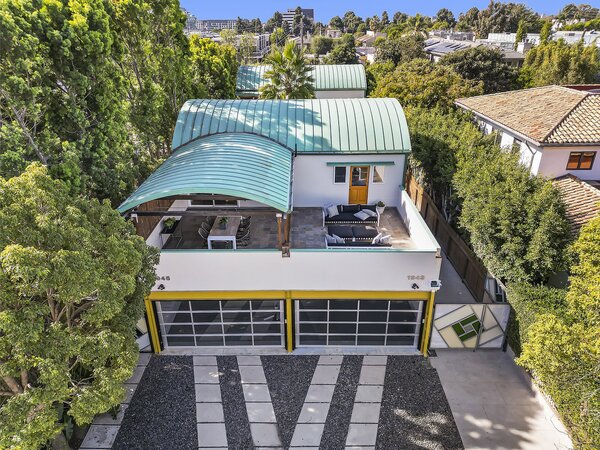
(169, 224)
(223, 222)
(380, 207)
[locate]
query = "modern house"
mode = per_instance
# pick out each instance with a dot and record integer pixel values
(555, 128)
(270, 235)
(330, 80)
(436, 49)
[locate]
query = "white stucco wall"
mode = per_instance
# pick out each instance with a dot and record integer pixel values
(313, 180)
(340, 94)
(554, 160)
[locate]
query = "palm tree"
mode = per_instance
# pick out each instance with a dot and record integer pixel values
(289, 77)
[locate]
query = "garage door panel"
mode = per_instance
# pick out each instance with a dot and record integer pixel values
(358, 323)
(218, 323)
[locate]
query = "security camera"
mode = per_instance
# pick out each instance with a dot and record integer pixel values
(436, 284)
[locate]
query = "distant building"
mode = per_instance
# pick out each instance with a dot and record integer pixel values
(289, 15)
(508, 40)
(370, 37)
(216, 24)
(333, 33)
(438, 48)
(454, 35)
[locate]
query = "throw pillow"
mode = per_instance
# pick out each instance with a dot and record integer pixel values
(369, 212)
(385, 239)
(330, 239)
(338, 240)
(361, 215)
(332, 211)
(376, 239)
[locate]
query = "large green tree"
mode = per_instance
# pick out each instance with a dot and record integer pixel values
(401, 49)
(562, 347)
(421, 83)
(516, 222)
(556, 62)
(344, 52)
(62, 95)
(213, 66)
(290, 77)
(73, 276)
(483, 64)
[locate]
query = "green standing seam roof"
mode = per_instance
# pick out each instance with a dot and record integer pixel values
(239, 165)
(317, 126)
(328, 77)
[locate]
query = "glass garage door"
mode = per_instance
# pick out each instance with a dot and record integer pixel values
(221, 323)
(358, 323)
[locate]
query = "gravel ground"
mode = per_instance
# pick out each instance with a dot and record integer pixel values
(234, 406)
(414, 411)
(340, 410)
(288, 378)
(162, 412)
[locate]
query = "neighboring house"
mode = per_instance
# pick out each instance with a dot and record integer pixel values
(508, 40)
(591, 37)
(369, 38)
(581, 199)
(556, 128)
(366, 54)
(438, 48)
(453, 35)
(270, 275)
(331, 80)
(333, 33)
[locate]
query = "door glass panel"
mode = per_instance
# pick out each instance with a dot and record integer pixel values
(267, 328)
(343, 304)
(371, 328)
(235, 305)
(342, 316)
(265, 316)
(240, 328)
(207, 340)
(177, 317)
(265, 304)
(313, 327)
(403, 316)
(308, 339)
(400, 340)
(373, 316)
(175, 306)
(207, 317)
(180, 341)
(313, 304)
(238, 340)
(370, 340)
(342, 328)
(373, 304)
(208, 329)
(360, 176)
(396, 328)
(403, 305)
(179, 329)
(205, 305)
(342, 340)
(236, 317)
(267, 340)
(313, 316)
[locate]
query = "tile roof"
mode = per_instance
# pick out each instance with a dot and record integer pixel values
(582, 200)
(549, 114)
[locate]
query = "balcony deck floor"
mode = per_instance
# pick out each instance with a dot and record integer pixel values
(307, 230)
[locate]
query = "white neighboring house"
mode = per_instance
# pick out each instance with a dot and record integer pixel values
(556, 128)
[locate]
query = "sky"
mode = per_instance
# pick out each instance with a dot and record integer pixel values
(326, 9)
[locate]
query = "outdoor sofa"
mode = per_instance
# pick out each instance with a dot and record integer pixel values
(346, 214)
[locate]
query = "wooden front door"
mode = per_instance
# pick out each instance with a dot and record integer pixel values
(359, 185)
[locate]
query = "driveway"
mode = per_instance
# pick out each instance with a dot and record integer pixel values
(286, 401)
(494, 404)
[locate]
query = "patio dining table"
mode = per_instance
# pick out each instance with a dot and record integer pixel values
(226, 234)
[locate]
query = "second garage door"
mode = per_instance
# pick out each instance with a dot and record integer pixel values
(358, 323)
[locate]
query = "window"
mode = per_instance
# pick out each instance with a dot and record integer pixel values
(581, 160)
(339, 175)
(516, 146)
(499, 293)
(208, 202)
(378, 174)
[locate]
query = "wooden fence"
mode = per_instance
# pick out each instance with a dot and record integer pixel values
(469, 267)
(145, 224)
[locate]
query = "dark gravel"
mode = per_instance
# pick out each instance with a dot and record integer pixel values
(340, 410)
(414, 411)
(162, 412)
(237, 424)
(288, 378)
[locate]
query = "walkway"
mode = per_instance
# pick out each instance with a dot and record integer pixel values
(494, 405)
(288, 402)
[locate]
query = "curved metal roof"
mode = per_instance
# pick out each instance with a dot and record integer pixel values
(328, 77)
(239, 165)
(318, 126)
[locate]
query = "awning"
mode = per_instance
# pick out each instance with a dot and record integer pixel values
(235, 164)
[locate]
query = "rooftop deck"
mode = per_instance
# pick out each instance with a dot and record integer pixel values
(307, 231)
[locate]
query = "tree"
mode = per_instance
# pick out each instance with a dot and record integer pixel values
(399, 50)
(505, 17)
(421, 83)
(351, 22)
(74, 275)
(485, 64)
(246, 46)
(516, 222)
(278, 37)
(385, 19)
(545, 32)
(446, 16)
(562, 347)
(228, 37)
(274, 22)
(468, 20)
(242, 25)
(321, 45)
(289, 77)
(344, 51)
(375, 24)
(521, 33)
(336, 23)
(213, 66)
(437, 137)
(62, 97)
(302, 24)
(399, 18)
(557, 62)
(256, 26)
